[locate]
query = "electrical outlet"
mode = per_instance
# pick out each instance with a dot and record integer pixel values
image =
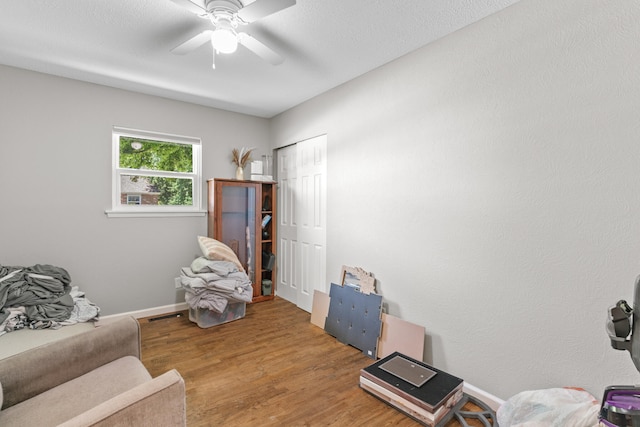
(177, 283)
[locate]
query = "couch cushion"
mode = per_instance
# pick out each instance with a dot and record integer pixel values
(72, 398)
(32, 372)
(156, 403)
(28, 339)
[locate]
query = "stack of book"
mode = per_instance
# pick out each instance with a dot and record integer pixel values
(422, 392)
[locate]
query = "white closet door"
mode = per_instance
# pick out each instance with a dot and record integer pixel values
(303, 213)
(287, 284)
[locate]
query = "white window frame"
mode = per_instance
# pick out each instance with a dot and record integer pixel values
(118, 209)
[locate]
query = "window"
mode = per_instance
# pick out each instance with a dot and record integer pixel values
(155, 174)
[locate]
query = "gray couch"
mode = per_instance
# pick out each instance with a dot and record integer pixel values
(94, 378)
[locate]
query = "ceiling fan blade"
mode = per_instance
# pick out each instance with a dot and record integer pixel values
(260, 49)
(191, 7)
(261, 8)
(193, 43)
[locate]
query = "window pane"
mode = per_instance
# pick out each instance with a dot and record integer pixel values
(144, 154)
(155, 190)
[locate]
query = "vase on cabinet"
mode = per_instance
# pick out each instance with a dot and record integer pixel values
(240, 173)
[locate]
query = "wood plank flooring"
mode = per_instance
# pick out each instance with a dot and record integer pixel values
(270, 368)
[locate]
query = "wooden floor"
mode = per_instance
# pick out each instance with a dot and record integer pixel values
(270, 368)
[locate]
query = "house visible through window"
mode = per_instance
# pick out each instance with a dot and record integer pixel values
(133, 199)
(155, 173)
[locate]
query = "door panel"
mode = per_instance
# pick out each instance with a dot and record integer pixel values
(311, 172)
(287, 228)
(302, 229)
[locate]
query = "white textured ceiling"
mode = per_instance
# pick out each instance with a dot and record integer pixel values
(126, 44)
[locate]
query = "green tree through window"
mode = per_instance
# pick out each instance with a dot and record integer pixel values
(143, 154)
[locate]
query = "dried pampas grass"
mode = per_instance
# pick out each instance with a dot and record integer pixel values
(242, 156)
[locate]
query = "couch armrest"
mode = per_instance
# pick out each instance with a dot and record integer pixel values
(32, 372)
(158, 402)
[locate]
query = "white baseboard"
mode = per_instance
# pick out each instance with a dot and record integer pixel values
(148, 312)
(492, 401)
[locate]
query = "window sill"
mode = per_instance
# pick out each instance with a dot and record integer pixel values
(153, 214)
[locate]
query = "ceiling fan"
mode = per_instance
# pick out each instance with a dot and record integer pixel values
(227, 16)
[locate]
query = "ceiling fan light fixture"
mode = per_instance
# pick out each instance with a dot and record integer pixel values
(224, 40)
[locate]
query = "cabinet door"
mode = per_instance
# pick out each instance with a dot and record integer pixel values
(235, 222)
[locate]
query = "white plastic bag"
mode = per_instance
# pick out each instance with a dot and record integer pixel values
(561, 407)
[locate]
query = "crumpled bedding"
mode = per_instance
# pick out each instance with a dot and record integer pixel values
(213, 284)
(40, 297)
(83, 309)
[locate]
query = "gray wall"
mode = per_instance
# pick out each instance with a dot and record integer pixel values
(492, 188)
(490, 181)
(55, 181)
